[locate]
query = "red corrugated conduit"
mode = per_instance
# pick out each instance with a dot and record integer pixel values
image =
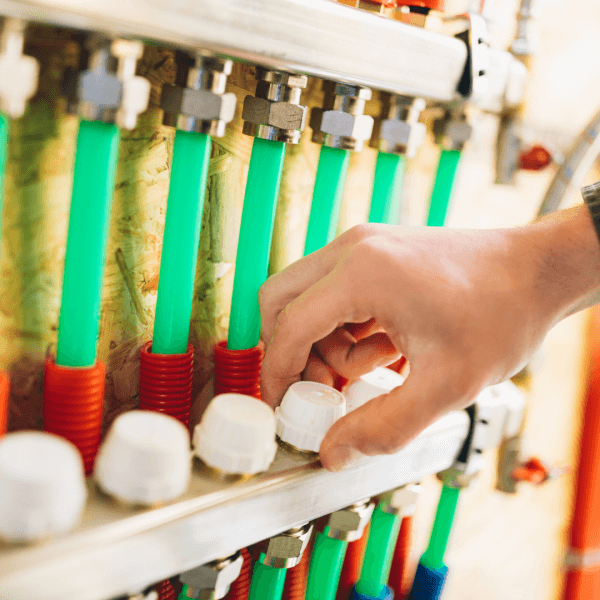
(238, 371)
(165, 590)
(352, 566)
(73, 404)
(4, 395)
(166, 382)
(399, 574)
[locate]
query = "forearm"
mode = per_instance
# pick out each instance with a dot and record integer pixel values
(567, 251)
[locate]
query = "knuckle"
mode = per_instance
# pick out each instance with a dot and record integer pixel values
(370, 250)
(358, 233)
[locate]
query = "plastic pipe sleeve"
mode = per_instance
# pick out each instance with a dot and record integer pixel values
(191, 152)
(267, 582)
(387, 186)
(443, 187)
(428, 583)
(352, 565)
(4, 399)
(73, 405)
(442, 526)
(378, 555)
(166, 382)
(254, 243)
(327, 198)
(240, 588)
(91, 199)
(325, 567)
(400, 562)
(238, 371)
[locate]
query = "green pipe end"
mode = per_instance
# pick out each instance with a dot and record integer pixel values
(254, 243)
(433, 558)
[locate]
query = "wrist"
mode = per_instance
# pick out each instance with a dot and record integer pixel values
(564, 252)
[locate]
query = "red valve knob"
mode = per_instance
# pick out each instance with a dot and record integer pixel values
(536, 471)
(535, 159)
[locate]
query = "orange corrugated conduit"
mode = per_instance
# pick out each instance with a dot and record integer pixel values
(4, 393)
(352, 566)
(240, 588)
(583, 559)
(296, 578)
(400, 572)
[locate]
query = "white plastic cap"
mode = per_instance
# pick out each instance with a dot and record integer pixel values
(307, 411)
(42, 486)
(236, 434)
(376, 383)
(145, 458)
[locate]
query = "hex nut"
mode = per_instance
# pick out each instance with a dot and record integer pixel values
(401, 137)
(18, 72)
(340, 129)
(281, 78)
(99, 88)
(282, 115)
(452, 133)
(402, 500)
(462, 475)
(199, 104)
(216, 576)
(349, 523)
(345, 125)
(355, 91)
(286, 549)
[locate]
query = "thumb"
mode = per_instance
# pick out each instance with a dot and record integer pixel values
(384, 424)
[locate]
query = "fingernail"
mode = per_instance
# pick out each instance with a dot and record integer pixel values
(342, 457)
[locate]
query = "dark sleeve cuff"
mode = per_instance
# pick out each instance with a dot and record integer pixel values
(591, 197)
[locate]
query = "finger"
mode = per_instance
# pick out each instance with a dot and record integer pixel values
(313, 315)
(350, 358)
(362, 330)
(280, 289)
(383, 425)
(317, 370)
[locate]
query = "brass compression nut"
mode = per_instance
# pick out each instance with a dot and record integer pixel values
(211, 581)
(341, 122)
(349, 523)
(286, 549)
(274, 112)
(201, 105)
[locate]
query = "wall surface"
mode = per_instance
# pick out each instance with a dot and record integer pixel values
(504, 546)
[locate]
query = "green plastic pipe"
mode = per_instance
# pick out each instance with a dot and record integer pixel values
(267, 582)
(327, 198)
(254, 244)
(191, 152)
(442, 526)
(442, 188)
(91, 199)
(325, 567)
(383, 534)
(387, 184)
(4, 130)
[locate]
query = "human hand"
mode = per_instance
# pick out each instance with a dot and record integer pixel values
(467, 309)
